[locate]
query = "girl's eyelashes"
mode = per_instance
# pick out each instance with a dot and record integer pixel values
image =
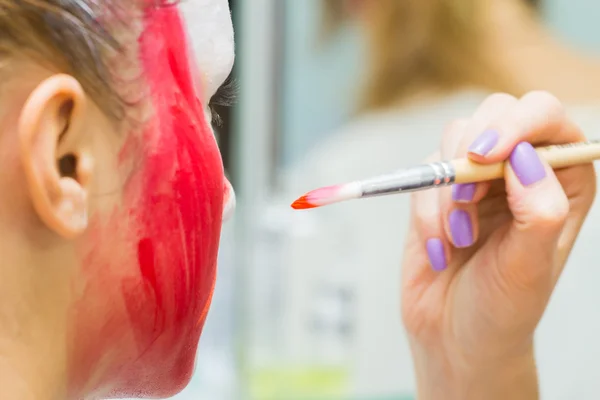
(225, 96)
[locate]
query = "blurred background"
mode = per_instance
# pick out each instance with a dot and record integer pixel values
(307, 303)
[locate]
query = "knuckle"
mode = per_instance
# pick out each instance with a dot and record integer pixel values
(455, 126)
(500, 98)
(547, 101)
(453, 135)
(426, 217)
(551, 215)
(591, 188)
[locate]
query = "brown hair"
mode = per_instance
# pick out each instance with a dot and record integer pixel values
(417, 43)
(69, 34)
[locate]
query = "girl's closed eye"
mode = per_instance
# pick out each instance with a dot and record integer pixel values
(226, 96)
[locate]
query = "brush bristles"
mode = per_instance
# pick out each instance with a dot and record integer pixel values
(303, 204)
(327, 195)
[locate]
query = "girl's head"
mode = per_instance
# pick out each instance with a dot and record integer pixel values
(112, 192)
(412, 44)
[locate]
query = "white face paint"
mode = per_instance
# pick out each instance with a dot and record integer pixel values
(211, 33)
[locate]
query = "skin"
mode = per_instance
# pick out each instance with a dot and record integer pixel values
(108, 271)
(471, 326)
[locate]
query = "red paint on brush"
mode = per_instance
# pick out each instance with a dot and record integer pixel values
(157, 295)
(316, 198)
(302, 203)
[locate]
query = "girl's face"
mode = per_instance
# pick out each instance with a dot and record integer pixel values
(149, 257)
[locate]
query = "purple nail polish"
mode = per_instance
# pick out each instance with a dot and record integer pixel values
(437, 254)
(463, 192)
(461, 228)
(527, 165)
(484, 142)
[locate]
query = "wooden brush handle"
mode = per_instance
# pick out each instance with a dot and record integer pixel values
(558, 156)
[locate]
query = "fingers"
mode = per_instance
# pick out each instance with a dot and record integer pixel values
(540, 208)
(497, 131)
(427, 221)
(535, 195)
(579, 185)
(538, 117)
(469, 192)
(458, 204)
(459, 220)
(475, 137)
(458, 138)
(492, 107)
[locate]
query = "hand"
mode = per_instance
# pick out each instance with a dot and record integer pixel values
(481, 261)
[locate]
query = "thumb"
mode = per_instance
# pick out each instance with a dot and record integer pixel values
(540, 208)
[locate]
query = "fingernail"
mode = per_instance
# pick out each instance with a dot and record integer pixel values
(461, 228)
(484, 142)
(527, 164)
(463, 192)
(437, 254)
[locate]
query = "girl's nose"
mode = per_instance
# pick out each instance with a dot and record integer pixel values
(228, 200)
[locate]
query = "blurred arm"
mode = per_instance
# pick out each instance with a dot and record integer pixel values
(437, 379)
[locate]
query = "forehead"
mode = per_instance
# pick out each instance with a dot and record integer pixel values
(211, 34)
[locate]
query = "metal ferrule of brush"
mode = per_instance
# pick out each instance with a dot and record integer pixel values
(412, 179)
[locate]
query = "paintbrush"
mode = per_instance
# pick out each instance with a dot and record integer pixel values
(443, 173)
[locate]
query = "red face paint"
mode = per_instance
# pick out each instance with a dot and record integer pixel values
(162, 241)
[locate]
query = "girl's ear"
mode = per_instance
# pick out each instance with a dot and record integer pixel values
(57, 163)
